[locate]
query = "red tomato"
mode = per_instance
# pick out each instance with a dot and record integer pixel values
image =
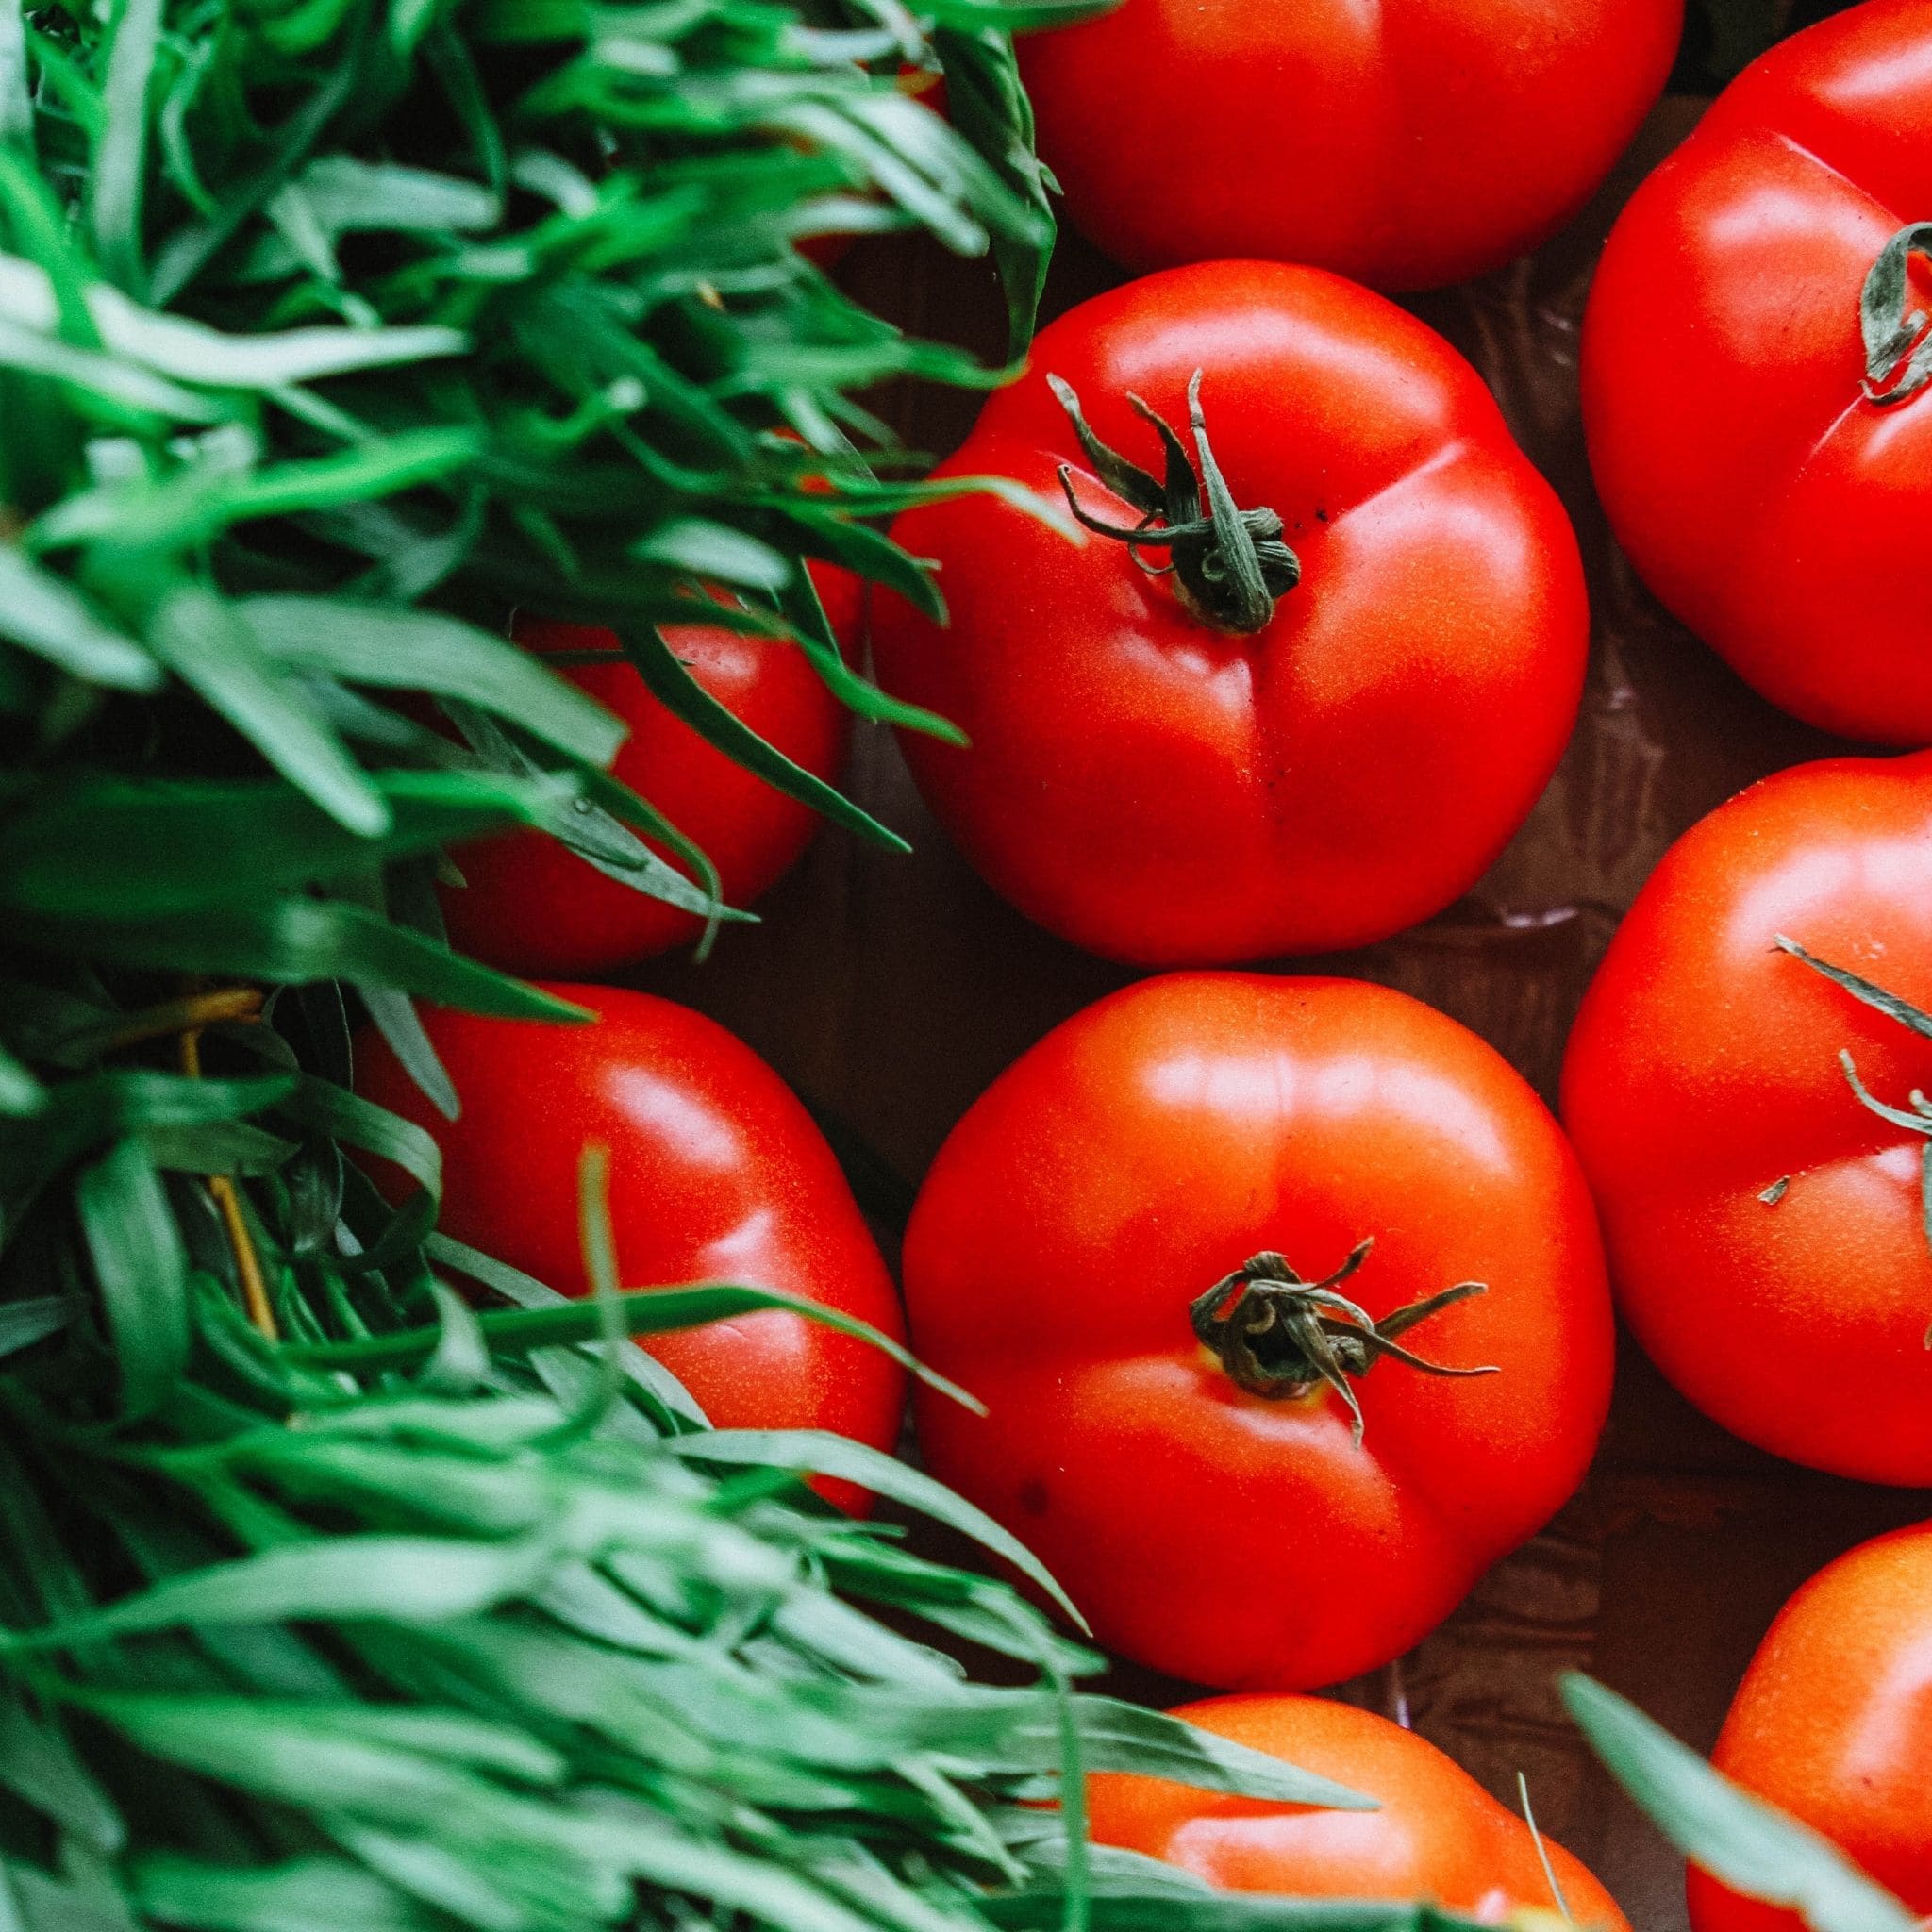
(1764, 494)
(1833, 1724)
(1145, 780)
(531, 906)
(1763, 1224)
(1074, 1260)
(717, 1173)
(1407, 143)
(1438, 1837)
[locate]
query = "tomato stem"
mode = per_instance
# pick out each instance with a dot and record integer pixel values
(1228, 564)
(1278, 1336)
(1918, 1120)
(1898, 336)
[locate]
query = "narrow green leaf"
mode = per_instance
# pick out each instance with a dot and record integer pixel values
(392, 1578)
(421, 650)
(291, 941)
(45, 615)
(24, 1323)
(646, 1311)
(115, 194)
(1753, 1848)
(208, 647)
(822, 1454)
(141, 1270)
(675, 687)
(311, 1894)
(395, 1018)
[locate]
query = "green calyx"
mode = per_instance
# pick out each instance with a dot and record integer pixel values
(1919, 1119)
(1898, 336)
(1229, 565)
(1278, 1336)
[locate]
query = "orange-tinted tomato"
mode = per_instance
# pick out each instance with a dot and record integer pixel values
(717, 1173)
(1183, 1469)
(1764, 1226)
(531, 906)
(1439, 1836)
(1833, 1724)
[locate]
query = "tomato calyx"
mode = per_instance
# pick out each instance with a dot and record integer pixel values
(1279, 1335)
(1229, 565)
(1898, 335)
(1918, 1120)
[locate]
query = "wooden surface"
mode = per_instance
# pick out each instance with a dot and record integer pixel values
(889, 992)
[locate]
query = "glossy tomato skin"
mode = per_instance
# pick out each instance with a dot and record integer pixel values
(530, 905)
(1833, 1724)
(1704, 1069)
(1438, 1837)
(1153, 1144)
(1757, 492)
(1167, 793)
(1406, 144)
(717, 1173)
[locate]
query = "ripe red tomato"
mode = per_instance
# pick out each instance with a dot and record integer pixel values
(1833, 1724)
(1763, 1224)
(1407, 143)
(1098, 1255)
(531, 906)
(1438, 1837)
(717, 1173)
(1151, 783)
(1760, 487)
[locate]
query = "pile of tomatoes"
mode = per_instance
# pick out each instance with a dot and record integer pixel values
(1289, 1304)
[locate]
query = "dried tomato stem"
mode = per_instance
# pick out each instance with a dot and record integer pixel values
(1229, 564)
(1279, 1335)
(1898, 335)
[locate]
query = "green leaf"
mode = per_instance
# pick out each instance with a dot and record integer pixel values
(115, 195)
(134, 848)
(189, 352)
(1737, 1838)
(24, 1323)
(311, 1894)
(40, 1766)
(19, 1093)
(986, 101)
(43, 613)
(395, 1018)
(141, 1270)
(420, 650)
(291, 941)
(394, 1578)
(676, 687)
(1117, 1736)
(206, 645)
(645, 1311)
(822, 1454)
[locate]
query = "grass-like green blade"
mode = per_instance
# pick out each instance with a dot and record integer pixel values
(1752, 1847)
(645, 1311)
(140, 1268)
(45, 614)
(822, 1453)
(424, 650)
(675, 687)
(138, 848)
